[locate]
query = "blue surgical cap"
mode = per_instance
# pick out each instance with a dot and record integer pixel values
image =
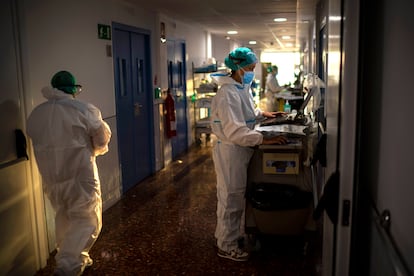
(239, 58)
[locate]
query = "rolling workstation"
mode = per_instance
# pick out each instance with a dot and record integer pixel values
(281, 193)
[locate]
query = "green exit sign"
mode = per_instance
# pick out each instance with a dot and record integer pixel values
(104, 31)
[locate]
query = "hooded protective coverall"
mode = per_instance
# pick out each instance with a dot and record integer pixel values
(67, 135)
(233, 117)
(272, 87)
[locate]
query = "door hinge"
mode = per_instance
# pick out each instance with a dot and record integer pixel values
(346, 210)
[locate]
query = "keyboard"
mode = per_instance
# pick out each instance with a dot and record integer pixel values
(297, 120)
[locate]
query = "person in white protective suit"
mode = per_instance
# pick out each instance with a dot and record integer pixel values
(233, 117)
(67, 135)
(272, 88)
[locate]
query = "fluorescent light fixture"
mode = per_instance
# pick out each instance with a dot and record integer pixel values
(286, 37)
(280, 19)
(232, 32)
(289, 44)
(252, 42)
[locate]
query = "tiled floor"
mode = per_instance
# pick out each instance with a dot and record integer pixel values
(165, 226)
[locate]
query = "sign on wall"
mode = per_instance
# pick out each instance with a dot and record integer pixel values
(104, 31)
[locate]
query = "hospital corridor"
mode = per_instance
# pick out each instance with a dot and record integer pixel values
(206, 137)
(165, 226)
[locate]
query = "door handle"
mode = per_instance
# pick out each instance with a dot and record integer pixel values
(137, 109)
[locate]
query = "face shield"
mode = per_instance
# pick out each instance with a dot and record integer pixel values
(78, 90)
(74, 90)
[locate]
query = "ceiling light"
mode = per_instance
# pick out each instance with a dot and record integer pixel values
(232, 32)
(280, 19)
(252, 42)
(285, 37)
(288, 44)
(227, 37)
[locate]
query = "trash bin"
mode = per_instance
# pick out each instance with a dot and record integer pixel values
(279, 208)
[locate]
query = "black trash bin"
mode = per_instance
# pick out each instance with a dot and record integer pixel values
(279, 208)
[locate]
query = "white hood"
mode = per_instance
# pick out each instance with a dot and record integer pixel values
(51, 93)
(221, 79)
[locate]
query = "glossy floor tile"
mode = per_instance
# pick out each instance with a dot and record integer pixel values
(165, 226)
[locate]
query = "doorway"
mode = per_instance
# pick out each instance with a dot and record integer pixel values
(134, 109)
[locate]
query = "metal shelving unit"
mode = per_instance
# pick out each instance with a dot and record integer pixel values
(204, 90)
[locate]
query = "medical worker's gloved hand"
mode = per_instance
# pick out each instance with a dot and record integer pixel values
(276, 140)
(100, 139)
(273, 114)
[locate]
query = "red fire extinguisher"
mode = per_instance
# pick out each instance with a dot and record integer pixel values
(171, 124)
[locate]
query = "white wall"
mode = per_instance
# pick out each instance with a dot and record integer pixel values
(221, 48)
(67, 38)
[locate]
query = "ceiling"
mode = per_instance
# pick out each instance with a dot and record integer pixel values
(253, 19)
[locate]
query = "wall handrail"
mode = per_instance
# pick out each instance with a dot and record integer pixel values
(383, 224)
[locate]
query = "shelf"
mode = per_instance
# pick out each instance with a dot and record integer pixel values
(203, 102)
(204, 92)
(204, 122)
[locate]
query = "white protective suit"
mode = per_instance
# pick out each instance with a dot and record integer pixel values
(272, 87)
(233, 117)
(67, 135)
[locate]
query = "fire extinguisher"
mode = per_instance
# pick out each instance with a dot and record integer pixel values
(171, 124)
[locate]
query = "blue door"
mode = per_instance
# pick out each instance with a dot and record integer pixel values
(133, 103)
(177, 84)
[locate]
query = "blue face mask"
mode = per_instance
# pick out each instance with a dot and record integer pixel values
(248, 77)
